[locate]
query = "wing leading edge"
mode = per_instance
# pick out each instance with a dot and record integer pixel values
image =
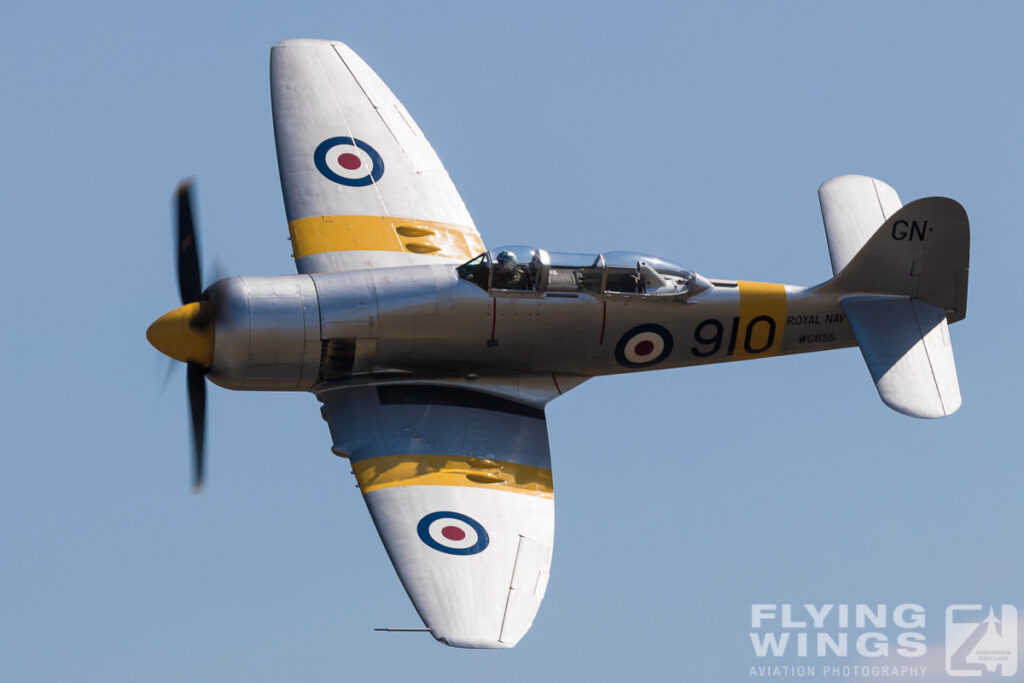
(458, 484)
(362, 185)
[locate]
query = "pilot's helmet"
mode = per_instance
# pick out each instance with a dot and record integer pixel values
(507, 260)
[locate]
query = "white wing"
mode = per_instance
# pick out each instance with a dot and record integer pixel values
(458, 483)
(362, 186)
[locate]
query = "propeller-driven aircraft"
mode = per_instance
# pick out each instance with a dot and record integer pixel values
(434, 357)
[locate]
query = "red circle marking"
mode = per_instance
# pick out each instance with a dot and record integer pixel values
(453, 533)
(349, 161)
(644, 348)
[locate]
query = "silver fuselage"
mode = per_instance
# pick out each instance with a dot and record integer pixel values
(305, 332)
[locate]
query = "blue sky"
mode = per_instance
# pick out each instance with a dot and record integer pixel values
(697, 133)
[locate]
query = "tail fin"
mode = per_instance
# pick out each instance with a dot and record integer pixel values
(900, 287)
(921, 251)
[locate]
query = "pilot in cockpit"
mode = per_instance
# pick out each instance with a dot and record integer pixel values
(508, 274)
(639, 286)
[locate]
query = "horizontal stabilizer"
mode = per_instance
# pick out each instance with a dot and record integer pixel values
(852, 207)
(905, 343)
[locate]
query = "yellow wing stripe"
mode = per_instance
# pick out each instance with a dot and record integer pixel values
(762, 319)
(452, 470)
(321, 234)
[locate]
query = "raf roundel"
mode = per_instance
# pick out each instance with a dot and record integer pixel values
(348, 161)
(644, 345)
(452, 533)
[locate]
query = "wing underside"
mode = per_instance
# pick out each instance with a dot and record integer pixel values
(362, 185)
(458, 484)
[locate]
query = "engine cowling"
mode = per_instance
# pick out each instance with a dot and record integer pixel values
(266, 333)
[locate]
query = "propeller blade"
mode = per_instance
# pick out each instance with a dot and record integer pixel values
(197, 406)
(190, 283)
(172, 365)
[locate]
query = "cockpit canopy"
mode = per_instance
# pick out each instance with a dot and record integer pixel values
(529, 270)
